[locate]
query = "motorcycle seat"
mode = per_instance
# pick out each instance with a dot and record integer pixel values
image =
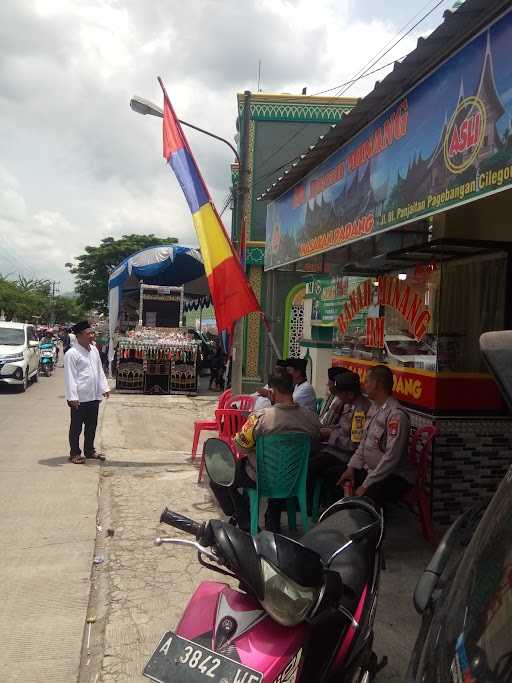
(355, 564)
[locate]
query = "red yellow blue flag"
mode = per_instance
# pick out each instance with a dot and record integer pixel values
(231, 293)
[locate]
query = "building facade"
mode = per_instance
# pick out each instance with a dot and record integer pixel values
(406, 204)
(280, 125)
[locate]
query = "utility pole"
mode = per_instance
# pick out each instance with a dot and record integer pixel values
(55, 290)
(238, 336)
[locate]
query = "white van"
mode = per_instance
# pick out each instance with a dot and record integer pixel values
(19, 354)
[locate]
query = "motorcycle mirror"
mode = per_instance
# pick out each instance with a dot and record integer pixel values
(220, 462)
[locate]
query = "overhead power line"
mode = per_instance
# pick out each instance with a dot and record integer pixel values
(367, 73)
(388, 50)
(362, 73)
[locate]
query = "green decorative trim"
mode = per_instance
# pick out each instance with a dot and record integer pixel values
(255, 256)
(298, 112)
(287, 314)
(316, 344)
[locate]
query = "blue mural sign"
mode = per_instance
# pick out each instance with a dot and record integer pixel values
(446, 142)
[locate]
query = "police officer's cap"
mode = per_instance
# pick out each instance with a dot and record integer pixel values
(348, 381)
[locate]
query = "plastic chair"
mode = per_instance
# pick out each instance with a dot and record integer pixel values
(229, 421)
(420, 452)
(241, 402)
(282, 470)
(208, 425)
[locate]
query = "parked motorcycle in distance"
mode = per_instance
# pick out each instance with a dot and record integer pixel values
(465, 593)
(47, 358)
(304, 611)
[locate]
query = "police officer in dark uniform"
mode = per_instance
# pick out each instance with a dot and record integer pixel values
(332, 406)
(341, 440)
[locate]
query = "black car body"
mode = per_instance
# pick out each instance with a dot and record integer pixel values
(466, 634)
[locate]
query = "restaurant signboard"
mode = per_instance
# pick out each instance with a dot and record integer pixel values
(447, 141)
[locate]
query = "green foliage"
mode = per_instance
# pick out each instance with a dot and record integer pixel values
(24, 299)
(91, 270)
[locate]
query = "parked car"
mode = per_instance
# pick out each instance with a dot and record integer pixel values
(19, 354)
(465, 593)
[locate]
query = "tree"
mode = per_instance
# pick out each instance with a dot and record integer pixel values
(8, 297)
(68, 309)
(25, 299)
(91, 270)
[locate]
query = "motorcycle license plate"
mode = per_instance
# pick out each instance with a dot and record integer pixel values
(178, 660)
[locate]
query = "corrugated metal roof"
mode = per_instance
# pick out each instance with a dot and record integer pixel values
(457, 28)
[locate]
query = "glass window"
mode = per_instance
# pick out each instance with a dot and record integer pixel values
(408, 347)
(472, 301)
(11, 336)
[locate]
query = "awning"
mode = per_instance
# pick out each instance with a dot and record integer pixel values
(166, 265)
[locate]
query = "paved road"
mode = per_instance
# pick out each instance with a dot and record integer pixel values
(47, 534)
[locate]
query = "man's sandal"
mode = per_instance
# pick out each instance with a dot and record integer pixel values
(77, 459)
(95, 456)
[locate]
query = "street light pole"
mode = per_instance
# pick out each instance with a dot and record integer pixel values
(143, 106)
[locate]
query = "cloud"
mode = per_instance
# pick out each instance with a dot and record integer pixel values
(79, 165)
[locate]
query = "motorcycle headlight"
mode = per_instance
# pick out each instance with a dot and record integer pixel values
(286, 601)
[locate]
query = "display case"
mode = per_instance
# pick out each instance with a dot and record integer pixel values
(158, 361)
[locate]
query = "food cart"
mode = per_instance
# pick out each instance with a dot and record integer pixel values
(158, 361)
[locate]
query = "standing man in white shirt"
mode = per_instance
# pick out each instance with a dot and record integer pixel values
(86, 385)
(303, 394)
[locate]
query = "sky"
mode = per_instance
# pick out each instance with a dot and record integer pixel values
(77, 164)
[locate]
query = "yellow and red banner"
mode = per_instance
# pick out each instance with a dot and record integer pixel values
(445, 392)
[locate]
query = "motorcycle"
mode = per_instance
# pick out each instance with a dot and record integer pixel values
(304, 610)
(47, 357)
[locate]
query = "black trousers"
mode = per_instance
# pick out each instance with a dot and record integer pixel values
(389, 490)
(236, 504)
(329, 467)
(85, 415)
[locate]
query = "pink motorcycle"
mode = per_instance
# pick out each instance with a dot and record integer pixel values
(305, 609)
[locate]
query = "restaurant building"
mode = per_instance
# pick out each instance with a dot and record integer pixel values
(405, 208)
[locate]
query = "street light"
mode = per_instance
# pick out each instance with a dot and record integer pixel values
(143, 106)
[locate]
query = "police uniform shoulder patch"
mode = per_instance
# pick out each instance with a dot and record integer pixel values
(393, 425)
(245, 437)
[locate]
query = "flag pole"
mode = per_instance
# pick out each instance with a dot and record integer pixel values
(238, 328)
(266, 322)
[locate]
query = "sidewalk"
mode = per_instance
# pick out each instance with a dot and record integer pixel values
(48, 530)
(139, 591)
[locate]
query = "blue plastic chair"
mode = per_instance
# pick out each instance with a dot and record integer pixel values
(281, 472)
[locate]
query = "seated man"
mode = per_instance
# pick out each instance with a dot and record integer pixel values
(380, 468)
(262, 395)
(332, 406)
(303, 393)
(341, 440)
(283, 416)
